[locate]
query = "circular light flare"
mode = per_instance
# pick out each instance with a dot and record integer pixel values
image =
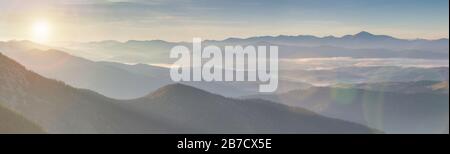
(41, 31)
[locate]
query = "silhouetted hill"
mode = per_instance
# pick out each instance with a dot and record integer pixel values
(201, 111)
(11, 122)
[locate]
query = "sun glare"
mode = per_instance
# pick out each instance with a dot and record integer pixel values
(41, 31)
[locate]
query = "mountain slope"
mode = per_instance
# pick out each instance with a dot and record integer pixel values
(59, 108)
(11, 122)
(205, 112)
(391, 112)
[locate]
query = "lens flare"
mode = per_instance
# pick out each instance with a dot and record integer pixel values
(41, 31)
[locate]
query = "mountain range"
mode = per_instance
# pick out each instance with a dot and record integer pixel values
(361, 40)
(360, 45)
(90, 88)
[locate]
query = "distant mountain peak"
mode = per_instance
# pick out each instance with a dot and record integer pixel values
(369, 36)
(175, 86)
(364, 33)
(178, 89)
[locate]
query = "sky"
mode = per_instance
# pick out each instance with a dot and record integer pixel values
(181, 20)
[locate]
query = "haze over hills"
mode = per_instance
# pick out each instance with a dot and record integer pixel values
(361, 45)
(59, 108)
(411, 107)
(112, 79)
(403, 87)
(370, 74)
(101, 77)
(124, 81)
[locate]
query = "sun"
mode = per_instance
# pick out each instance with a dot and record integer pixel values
(41, 31)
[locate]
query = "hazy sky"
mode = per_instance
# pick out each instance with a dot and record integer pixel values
(180, 20)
